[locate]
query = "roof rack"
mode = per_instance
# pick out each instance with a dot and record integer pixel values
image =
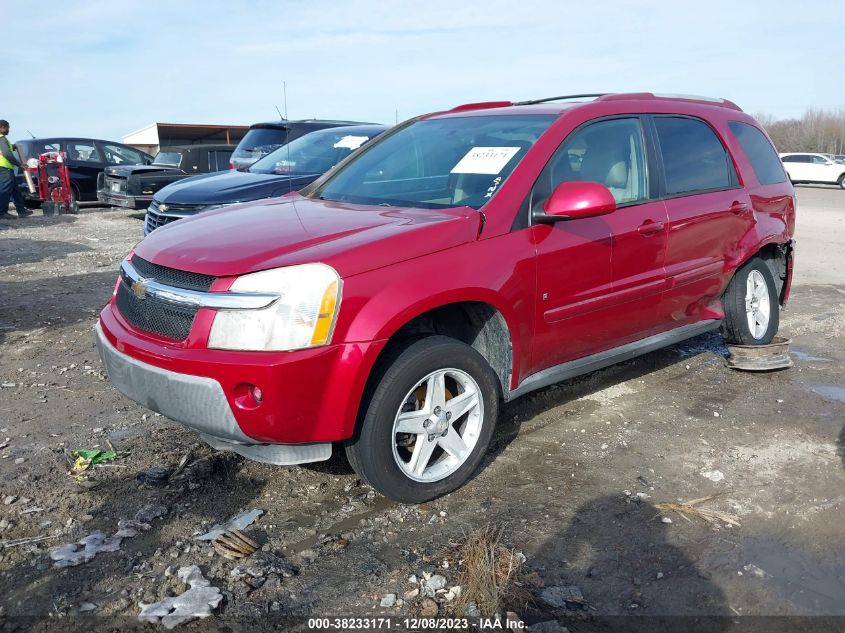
(602, 96)
(481, 105)
(561, 98)
(717, 101)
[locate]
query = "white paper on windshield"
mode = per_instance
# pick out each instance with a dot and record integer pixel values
(352, 142)
(485, 160)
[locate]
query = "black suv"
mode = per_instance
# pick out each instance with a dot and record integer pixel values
(263, 138)
(86, 159)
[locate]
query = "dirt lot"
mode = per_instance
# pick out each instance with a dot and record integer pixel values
(573, 478)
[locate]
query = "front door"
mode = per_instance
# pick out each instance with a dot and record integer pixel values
(590, 300)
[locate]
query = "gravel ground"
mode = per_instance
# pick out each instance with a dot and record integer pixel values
(573, 477)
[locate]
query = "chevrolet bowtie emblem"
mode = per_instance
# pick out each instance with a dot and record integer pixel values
(139, 289)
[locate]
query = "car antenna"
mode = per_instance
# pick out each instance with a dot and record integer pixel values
(30, 133)
(285, 92)
(279, 111)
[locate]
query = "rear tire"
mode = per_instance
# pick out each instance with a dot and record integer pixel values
(842, 181)
(752, 307)
(443, 443)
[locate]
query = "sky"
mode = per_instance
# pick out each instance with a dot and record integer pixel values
(106, 68)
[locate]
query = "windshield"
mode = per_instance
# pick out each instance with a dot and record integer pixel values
(438, 163)
(173, 159)
(314, 153)
(260, 141)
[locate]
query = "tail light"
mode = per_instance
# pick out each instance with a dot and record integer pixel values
(231, 165)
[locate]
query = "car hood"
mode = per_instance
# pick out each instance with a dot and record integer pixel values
(230, 186)
(128, 170)
(296, 230)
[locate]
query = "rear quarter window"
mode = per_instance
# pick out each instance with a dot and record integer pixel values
(762, 156)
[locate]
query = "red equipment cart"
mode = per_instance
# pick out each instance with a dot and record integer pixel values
(54, 188)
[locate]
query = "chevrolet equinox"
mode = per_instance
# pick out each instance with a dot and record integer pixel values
(462, 259)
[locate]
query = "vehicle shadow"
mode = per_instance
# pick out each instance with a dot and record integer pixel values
(632, 577)
(29, 305)
(34, 220)
(513, 415)
(26, 251)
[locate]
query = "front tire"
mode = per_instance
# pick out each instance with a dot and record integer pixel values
(842, 181)
(752, 308)
(428, 420)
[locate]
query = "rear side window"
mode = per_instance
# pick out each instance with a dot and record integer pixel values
(219, 160)
(760, 152)
(694, 158)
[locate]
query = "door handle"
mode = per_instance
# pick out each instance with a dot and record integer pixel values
(739, 207)
(649, 227)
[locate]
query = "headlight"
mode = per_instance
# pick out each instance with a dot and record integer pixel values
(303, 316)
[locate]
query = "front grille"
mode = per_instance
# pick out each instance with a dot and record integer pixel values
(172, 276)
(155, 218)
(152, 315)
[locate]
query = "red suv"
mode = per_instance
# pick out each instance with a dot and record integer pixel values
(461, 259)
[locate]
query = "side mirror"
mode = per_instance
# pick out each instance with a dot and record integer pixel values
(577, 199)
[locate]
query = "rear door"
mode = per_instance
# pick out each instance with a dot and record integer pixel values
(708, 210)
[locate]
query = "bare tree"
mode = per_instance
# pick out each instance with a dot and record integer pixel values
(819, 130)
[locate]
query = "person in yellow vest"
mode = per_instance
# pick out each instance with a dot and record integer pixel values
(8, 183)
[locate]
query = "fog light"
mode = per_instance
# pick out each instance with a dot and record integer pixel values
(248, 396)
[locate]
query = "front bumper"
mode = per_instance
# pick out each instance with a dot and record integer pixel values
(123, 200)
(200, 404)
(309, 396)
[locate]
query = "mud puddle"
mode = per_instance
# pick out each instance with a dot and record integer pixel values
(810, 584)
(380, 504)
(832, 392)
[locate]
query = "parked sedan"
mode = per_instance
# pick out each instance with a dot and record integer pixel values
(133, 186)
(86, 159)
(815, 168)
(288, 168)
(263, 138)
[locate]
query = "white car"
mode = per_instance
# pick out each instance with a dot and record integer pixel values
(804, 167)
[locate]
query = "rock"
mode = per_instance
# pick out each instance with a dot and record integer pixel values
(559, 597)
(309, 555)
(428, 608)
(9, 500)
(551, 626)
(87, 607)
(659, 575)
(453, 593)
(666, 520)
(471, 610)
(154, 476)
(713, 475)
(433, 584)
(149, 512)
(410, 595)
(20, 460)
(388, 600)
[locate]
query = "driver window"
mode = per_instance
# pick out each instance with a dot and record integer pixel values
(608, 152)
